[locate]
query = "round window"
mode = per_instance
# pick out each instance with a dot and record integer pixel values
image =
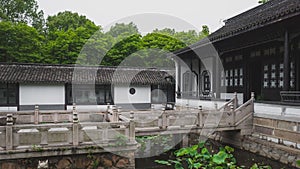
(132, 91)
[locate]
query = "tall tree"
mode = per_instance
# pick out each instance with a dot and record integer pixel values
(122, 49)
(24, 11)
(66, 35)
(20, 43)
(204, 32)
(122, 30)
(188, 37)
(65, 46)
(95, 49)
(66, 20)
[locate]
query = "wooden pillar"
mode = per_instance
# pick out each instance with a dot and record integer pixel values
(191, 81)
(214, 77)
(297, 66)
(178, 78)
(286, 79)
(246, 71)
(199, 77)
(218, 70)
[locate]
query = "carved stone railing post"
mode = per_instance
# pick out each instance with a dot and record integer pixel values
(216, 106)
(164, 119)
(44, 136)
(36, 114)
(108, 108)
(74, 109)
(105, 134)
(115, 117)
(131, 115)
(235, 101)
(200, 117)
(119, 109)
(75, 113)
(232, 114)
(75, 128)
(9, 132)
(131, 131)
(252, 101)
(119, 112)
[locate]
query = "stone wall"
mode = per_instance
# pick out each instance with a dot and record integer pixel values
(85, 161)
(278, 152)
(255, 144)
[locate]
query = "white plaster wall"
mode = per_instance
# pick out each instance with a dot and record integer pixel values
(279, 110)
(183, 69)
(31, 94)
(98, 108)
(228, 96)
(206, 105)
(122, 95)
(8, 109)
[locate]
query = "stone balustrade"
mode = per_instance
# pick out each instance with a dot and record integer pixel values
(278, 128)
(226, 117)
(38, 129)
(50, 135)
(64, 116)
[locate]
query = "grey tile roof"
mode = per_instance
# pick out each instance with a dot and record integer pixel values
(269, 13)
(40, 73)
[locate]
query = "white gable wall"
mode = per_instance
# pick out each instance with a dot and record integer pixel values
(122, 95)
(32, 94)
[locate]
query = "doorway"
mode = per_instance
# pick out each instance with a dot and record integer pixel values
(254, 79)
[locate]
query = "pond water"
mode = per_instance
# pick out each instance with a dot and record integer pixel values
(243, 157)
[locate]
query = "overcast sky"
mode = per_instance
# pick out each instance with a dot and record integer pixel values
(178, 14)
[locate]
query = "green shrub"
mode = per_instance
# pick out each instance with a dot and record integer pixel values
(199, 156)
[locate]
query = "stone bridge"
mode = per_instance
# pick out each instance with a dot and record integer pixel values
(44, 134)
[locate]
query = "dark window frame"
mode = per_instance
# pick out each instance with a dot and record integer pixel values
(107, 97)
(16, 92)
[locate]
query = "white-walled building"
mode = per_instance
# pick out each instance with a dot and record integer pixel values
(57, 87)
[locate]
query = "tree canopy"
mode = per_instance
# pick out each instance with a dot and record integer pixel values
(69, 38)
(20, 43)
(263, 1)
(66, 20)
(22, 11)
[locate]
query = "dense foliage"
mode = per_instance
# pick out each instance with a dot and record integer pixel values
(20, 11)
(69, 38)
(201, 157)
(263, 1)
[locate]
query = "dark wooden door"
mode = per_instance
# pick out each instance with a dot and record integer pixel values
(255, 78)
